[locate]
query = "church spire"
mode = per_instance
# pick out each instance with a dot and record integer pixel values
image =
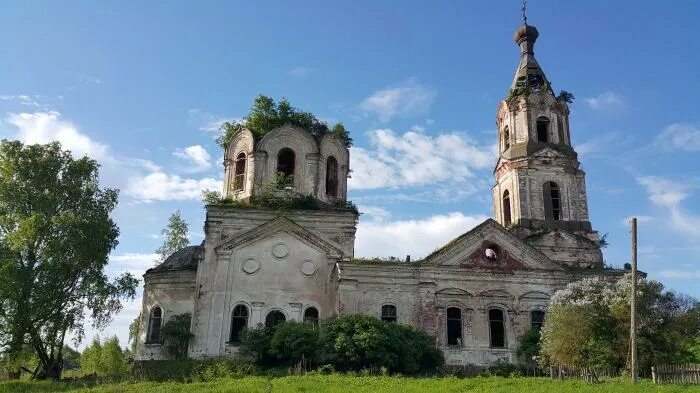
(529, 74)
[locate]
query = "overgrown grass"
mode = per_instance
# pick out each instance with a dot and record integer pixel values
(355, 384)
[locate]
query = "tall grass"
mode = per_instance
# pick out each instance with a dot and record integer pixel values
(354, 384)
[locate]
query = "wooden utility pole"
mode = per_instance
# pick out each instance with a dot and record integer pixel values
(633, 304)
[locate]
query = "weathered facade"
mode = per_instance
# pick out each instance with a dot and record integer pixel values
(477, 295)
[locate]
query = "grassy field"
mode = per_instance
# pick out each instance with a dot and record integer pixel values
(340, 383)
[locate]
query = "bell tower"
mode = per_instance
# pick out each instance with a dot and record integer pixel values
(540, 190)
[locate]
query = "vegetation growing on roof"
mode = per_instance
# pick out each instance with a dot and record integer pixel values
(566, 96)
(266, 115)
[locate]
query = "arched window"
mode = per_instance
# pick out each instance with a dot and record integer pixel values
(552, 201)
(155, 322)
(311, 317)
(506, 138)
(389, 313)
(506, 208)
(454, 326)
(239, 322)
(285, 163)
(274, 318)
(542, 129)
(332, 177)
(497, 328)
(560, 131)
(536, 319)
(239, 173)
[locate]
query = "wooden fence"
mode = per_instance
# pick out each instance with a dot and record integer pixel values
(676, 373)
(588, 374)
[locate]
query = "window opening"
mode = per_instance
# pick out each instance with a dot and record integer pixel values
(332, 177)
(274, 318)
(239, 174)
(389, 313)
(311, 317)
(497, 328)
(454, 326)
(239, 322)
(154, 325)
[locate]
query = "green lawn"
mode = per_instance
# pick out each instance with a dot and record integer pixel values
(340, 383)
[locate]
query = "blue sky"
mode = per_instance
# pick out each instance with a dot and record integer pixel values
(141, 87)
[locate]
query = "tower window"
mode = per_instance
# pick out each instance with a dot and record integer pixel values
(506, 138)
(497, 328)
(239, 322)
(536, 319)
(552, 201)
(285, 163)
(389, 313)
(155, 322)
(274, 318)
(506, 208)
(239, 172)
(542, 130)
(311, 317)
(331, 177)
(454, 326)
(560, 131)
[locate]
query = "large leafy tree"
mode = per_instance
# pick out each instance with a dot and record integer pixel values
(55, 237)
(588, 324)
(174, 236)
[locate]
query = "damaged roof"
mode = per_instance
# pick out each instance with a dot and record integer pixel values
(186, 258)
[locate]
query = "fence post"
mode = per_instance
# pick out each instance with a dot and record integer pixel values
(653, 374)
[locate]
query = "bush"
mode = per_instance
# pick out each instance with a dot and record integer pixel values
(357, 342)
(176, 335)
(294, 342)
(255, 345)
(502, 368)
(530, 344)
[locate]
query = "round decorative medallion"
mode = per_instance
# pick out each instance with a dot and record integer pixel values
(280, 250)
(250, 266)
(308, 268)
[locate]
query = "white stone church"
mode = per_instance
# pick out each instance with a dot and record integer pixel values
(477, 295)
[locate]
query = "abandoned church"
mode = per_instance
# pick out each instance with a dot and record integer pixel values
(476, 295)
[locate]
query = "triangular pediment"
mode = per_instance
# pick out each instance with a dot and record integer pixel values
(507, 252)
(560, 238)
(270, 228)
(548, 152)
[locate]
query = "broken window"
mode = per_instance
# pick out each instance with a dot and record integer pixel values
(274, 318)
(154, 325)
(454, 326)
(552, 201)
(311, 317)
(331, 177)
(497, 328)
(389, 313)
(239, 322)
(239, 173)
(506, 208)
(506, 138)
(536, 319)
(543, 129)
(285, 166)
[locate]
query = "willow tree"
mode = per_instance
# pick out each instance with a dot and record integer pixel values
(55, 237)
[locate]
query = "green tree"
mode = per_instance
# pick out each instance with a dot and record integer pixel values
(588, 324)
(176, 335)
(112, 358)
(174, 236)
(55, 237)
(134, 331)
(265, 115)
(91, 358)
(293, 342)
(255, 344)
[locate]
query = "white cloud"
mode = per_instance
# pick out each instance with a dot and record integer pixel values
(22, 99)
(379, 237)
(640, 220)
(44, 127)
(415, 158)
(134, 263)
(159, 186)
(680, 274)
(300, 72)
(669, 194)
(606, 100)
(408, 99)
(208, 122)
(680, 136)
(197, 156)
